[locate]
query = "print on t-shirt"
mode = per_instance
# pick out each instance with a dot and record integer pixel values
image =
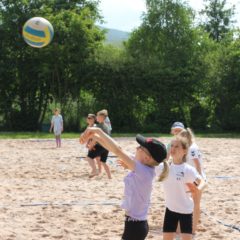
(179, 175)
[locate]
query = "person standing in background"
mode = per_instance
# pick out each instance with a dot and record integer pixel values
(107, 120)
(57, 126)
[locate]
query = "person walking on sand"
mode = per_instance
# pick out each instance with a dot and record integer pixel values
(91, 122)
(57, 126)
(179, 181)
(97, 151)
(138, 183)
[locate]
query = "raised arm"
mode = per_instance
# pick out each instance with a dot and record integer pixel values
(107, 142)
(51, 127)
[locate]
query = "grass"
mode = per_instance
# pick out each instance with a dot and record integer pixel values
(43, 135)
(35, 135)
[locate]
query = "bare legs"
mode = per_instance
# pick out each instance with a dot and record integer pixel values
(170, 236)
(92, 164)
(99, 165)
(58, 141)
(107, 170)
(196, 211)
(96, 171)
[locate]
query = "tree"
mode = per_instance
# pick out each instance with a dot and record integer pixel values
(57, 72)
(165, 47)
(226, 87)
(218, 19)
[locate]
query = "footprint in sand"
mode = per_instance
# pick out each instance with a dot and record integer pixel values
(57, 236)
(216, 236)
(45, 235)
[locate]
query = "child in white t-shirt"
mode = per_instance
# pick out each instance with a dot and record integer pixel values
(57, 126)
(179, 180)
(194, 155)
(194, 158)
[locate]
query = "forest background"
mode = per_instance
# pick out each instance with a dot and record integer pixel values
(172, 68)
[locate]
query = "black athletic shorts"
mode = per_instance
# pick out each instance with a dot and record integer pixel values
(171, 220)
(135, 229)
(98, 151)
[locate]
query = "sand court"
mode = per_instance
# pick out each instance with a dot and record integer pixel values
(46, 192)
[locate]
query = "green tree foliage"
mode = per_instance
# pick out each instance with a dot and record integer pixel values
(225, 87)
(169, 70)
(219, 18)
(165, 47)
(222, 64)
(32, 78)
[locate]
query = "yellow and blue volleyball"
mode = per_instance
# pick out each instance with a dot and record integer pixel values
(38, 32)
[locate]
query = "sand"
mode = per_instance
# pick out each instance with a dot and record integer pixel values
(45, 193)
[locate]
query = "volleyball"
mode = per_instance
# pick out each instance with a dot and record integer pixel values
(38, 32)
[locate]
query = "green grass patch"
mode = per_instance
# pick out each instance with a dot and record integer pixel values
(44, 135)
(34, 135)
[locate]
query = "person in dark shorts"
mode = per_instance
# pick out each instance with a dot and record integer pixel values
(138, 182)
(179, 181)
(98, 152)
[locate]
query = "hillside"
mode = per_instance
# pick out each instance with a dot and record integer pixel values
(116, 37)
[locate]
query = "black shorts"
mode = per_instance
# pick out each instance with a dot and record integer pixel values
(171, 220)
(98, 151)
(135, 229)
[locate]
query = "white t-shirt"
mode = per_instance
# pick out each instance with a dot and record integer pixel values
(57, 122)
(195, 153)
(177, 196)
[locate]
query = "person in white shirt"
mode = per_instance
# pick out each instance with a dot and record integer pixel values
(107, 120)
(179, 181)
(194, 158)
(57, 126)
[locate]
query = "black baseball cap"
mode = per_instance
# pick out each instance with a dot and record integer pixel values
(156, 148)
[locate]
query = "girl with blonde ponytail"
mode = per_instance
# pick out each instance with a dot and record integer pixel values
(194, 158)
(164, 172)
(179, 180)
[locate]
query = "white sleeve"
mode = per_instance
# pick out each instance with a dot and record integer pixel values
(192, 174)
(194, 152)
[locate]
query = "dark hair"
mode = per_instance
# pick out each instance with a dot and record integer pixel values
(92, 116)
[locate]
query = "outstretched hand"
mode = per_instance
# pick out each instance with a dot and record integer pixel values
(122, 163)
(87, 134)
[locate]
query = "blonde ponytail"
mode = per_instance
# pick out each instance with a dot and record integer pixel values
(165, 171)
(188, 134)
